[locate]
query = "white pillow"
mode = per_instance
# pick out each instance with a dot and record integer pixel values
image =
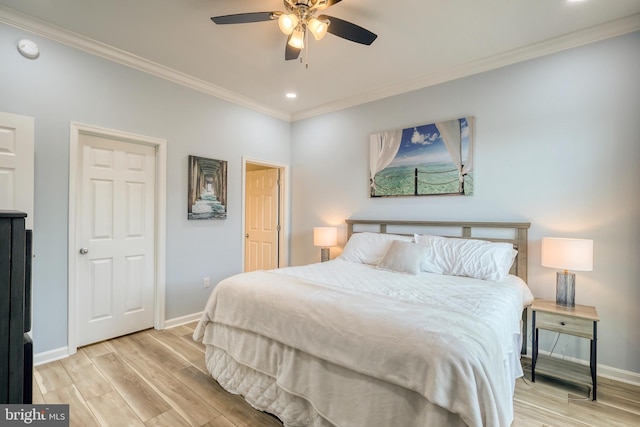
(432, 262)
(369, 248)
(403, 257)
(467, 257)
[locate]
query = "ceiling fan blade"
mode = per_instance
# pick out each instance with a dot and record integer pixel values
(244, 18)
(291, 52)
(347, 30)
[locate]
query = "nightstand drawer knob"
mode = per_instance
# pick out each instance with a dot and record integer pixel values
(562, 323)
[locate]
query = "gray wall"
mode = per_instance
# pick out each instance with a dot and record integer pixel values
(558, 145)
(66, 85)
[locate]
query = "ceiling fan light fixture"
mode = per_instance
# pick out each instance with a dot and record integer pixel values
(287, 23)
(318, 28)
(297, 39)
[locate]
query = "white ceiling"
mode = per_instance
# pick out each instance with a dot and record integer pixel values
(420, 43)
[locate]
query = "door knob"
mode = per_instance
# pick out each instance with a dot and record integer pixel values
(84, 251)
(246, 235)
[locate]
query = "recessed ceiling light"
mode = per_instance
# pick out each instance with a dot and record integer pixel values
(291, 95)
(28, 48)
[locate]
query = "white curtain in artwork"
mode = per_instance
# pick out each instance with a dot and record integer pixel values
(383, 149)
(452, 136)
(468, 166)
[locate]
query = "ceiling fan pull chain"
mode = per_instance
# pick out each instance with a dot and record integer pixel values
(307, 47)
(306, 56)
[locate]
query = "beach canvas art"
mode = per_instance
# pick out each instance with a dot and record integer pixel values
(425, 160)
(207, 188)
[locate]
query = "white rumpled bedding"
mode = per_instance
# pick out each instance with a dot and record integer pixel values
(355, 346)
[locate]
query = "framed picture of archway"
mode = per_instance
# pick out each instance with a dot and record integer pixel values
(426, 160)
(207, 190)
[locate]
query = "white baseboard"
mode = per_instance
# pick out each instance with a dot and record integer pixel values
(62, 352)
(604, 371)
(182, 320)
(616, 374)
(50, 356)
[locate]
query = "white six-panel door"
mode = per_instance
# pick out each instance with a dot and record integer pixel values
(115, 235)
(16, 164)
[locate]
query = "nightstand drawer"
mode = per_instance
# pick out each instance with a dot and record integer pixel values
(564, 324)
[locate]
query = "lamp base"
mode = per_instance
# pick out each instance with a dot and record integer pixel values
(566, 289)
(324, 254)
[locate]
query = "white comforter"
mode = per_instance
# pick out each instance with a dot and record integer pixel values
(447, 339)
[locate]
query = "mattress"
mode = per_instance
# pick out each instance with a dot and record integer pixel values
(346, 344)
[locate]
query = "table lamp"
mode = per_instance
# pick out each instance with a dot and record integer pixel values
(567, 254)
(325, 237)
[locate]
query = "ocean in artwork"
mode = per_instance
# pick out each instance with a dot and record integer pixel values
(208, 207)
(427, 178)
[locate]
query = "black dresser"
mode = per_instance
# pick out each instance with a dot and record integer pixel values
(16, 347)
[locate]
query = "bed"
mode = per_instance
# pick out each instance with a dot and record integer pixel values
(416, 323)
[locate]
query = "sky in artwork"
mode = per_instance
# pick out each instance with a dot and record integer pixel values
(424, 144)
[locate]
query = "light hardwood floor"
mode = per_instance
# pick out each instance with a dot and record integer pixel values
(158, 378)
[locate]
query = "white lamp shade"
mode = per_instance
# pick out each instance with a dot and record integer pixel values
(325, 236)
(567, 254)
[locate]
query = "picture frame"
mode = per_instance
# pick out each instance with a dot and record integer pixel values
(207, 188)
(426, 160)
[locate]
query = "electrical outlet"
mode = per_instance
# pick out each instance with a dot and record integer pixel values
(205, 282)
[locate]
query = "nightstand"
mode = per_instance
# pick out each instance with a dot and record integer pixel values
(580, 321)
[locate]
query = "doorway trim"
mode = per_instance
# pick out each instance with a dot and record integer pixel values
(77, 129)
(283, 235)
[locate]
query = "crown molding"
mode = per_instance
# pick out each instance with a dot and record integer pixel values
(589, 35)
(69, 38)
(568, 41)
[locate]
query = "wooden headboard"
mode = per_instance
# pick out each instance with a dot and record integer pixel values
(515, 233)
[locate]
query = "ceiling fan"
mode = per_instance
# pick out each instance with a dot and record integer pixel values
(300, 17)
